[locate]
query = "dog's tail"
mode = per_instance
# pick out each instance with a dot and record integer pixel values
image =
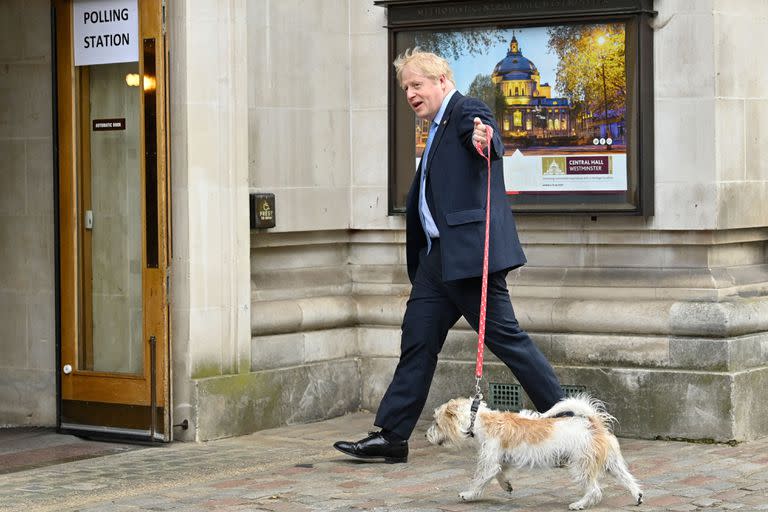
(581, 405)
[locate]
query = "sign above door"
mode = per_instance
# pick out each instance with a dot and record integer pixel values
(105, 31)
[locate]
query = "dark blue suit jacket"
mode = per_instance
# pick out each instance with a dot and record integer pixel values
(458, 176)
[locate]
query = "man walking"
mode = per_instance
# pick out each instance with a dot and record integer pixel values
(445, 234)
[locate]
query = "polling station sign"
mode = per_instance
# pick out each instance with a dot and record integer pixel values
(105, 31)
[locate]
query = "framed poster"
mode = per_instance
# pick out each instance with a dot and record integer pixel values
(571, 91)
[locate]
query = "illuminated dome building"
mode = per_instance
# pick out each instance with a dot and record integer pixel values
(527, 113)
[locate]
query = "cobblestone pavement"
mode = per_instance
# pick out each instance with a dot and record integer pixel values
(295, 468)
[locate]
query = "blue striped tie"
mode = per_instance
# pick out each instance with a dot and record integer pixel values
(422, 185)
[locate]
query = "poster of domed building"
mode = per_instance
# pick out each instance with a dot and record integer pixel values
(559, 95)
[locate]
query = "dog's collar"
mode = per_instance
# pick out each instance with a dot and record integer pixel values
(473, 414)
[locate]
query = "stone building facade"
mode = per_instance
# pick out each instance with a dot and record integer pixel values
(664, 317)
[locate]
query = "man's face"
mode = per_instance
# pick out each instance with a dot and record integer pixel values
(424, 95)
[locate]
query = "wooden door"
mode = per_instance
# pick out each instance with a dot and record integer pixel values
(113, 229)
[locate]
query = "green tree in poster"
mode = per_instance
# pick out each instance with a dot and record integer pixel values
(484, 89)
(591, 70)
(457, 44)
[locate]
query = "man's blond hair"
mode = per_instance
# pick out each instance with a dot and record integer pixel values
(425, 63)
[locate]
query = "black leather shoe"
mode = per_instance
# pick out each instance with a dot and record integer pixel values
(375, 446)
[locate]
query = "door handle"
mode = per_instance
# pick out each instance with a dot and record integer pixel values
(88, 219)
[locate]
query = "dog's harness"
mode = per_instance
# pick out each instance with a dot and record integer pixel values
(473, 414)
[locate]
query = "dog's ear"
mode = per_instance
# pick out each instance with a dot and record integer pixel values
(452, 409)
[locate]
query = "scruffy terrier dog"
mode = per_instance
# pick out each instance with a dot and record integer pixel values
(575, 432)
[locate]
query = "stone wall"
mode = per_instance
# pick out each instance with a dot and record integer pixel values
(676, 353)
(27, 340)
(662, 316)
(711, 92)
(659, 316)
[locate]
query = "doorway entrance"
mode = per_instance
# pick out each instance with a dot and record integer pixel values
(113, 228)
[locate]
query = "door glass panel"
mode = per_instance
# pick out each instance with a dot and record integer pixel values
(114, 222)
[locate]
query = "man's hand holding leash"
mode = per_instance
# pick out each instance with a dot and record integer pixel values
(479, 137)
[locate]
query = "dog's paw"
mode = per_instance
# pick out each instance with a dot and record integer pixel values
(576, 506)
(506, 485)
(468, 496)
(639, 499)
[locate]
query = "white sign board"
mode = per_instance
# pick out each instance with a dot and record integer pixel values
(566, 172)
(105, 31)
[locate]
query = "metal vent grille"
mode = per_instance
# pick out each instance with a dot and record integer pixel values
(570, 390)
(505, 397)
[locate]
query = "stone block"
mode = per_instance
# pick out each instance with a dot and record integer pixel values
(750, 408)
(324, 345)
(369, 274)
(41, 340)
(366, 18)
(378, 373)
(26, 256)
(278, 351)
(369, 209)
(279, 62)
(311, 208)
(684, 62)
(686, 205)
(368, 148)
(13, 167)
(27, 397)
(239, 404)
(284, 316)
(275, 163)
(756, 133)
(745, 259)
(206, 332)
(13, 342)
(39, 192)
(727, 354)
(375, 254)
(379, 341)
(609, 350)
(25, 98)
(667, 404)
(269, 284)
(369, 83)
(330, 253)
(381, 310)
(731, 140)
(684, 153)
(740, 69)
(741, 205)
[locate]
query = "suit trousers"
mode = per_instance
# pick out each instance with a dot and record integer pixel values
(433, 308)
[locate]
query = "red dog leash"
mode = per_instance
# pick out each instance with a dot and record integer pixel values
(484, 290)
(483, 293)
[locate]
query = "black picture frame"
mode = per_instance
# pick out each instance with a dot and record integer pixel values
(410, 20)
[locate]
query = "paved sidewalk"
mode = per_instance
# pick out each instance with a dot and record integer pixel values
(296, 469)
(24, 448)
